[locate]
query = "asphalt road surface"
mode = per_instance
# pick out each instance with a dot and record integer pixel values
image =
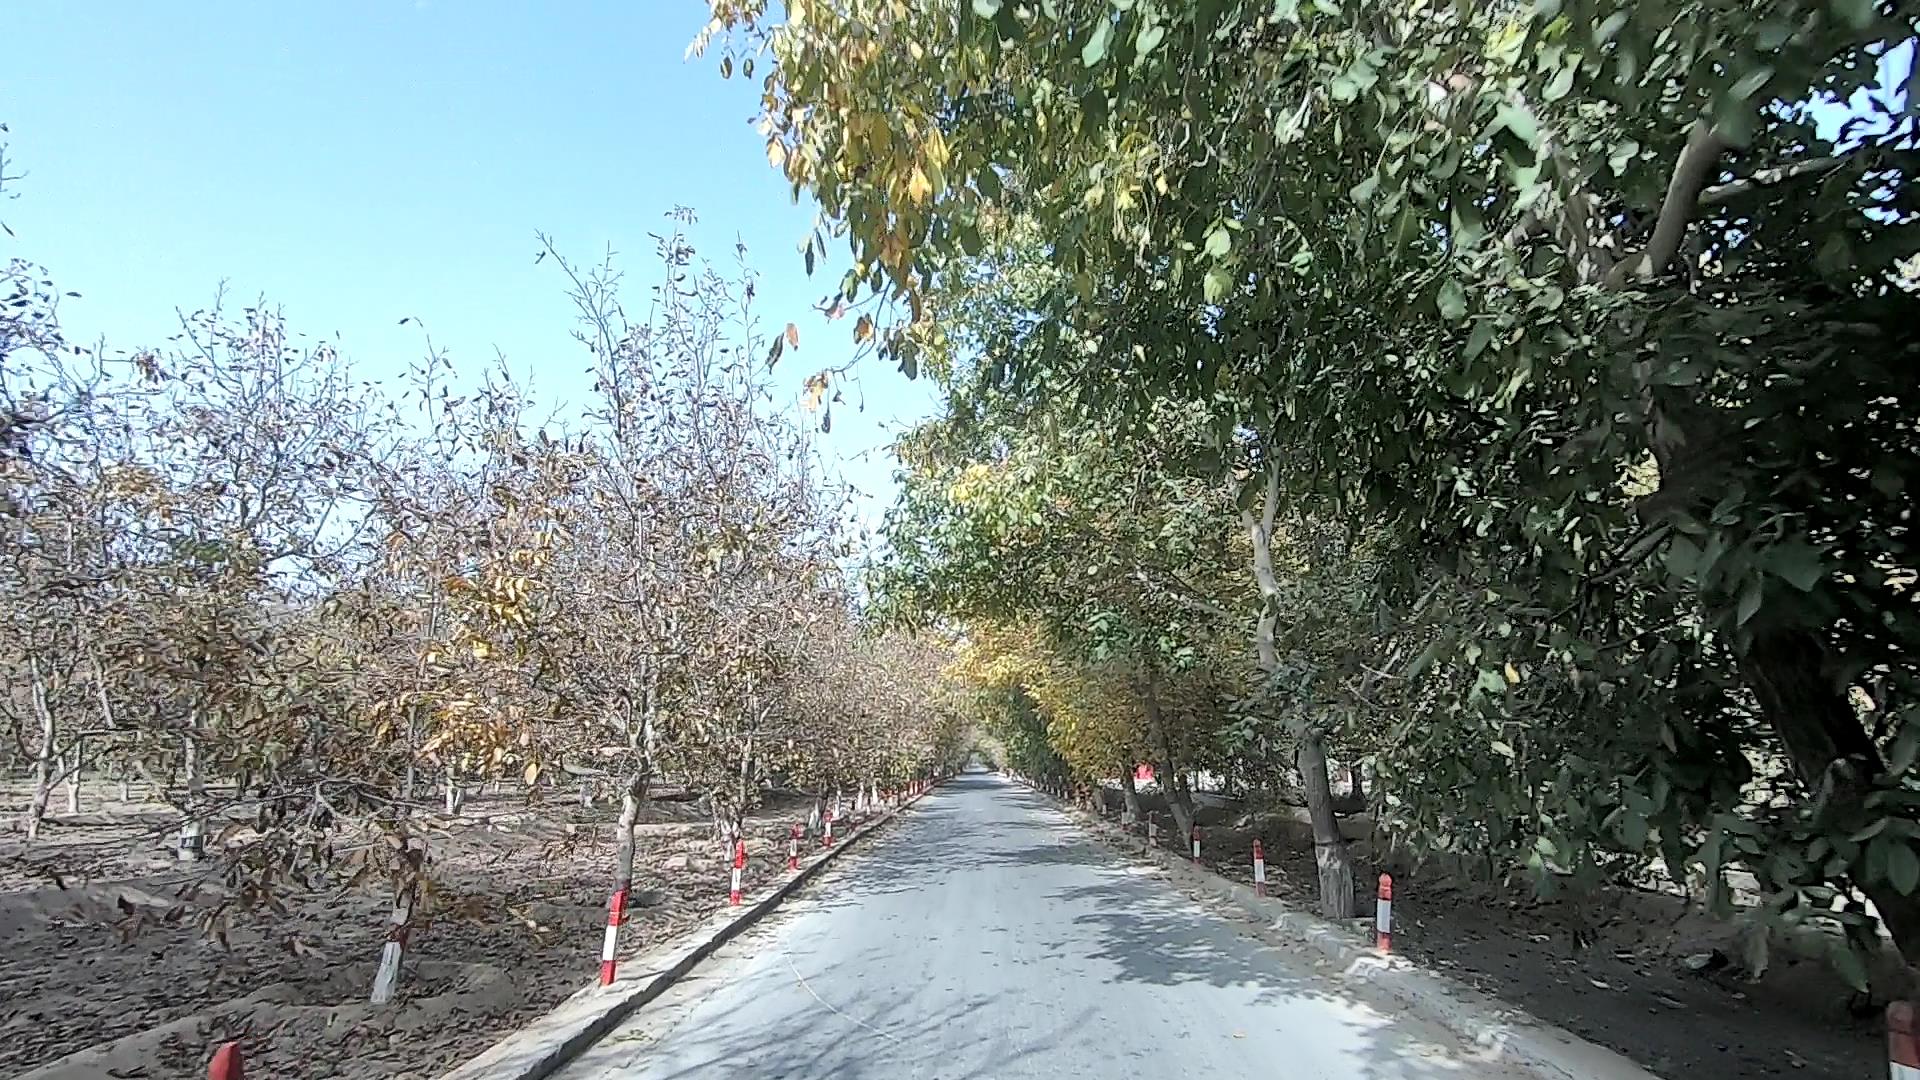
(983, 936)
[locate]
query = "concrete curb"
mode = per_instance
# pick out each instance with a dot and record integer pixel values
(543, 1046)
(1502, 1031)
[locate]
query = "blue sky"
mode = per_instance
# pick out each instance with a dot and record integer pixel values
(362, 162)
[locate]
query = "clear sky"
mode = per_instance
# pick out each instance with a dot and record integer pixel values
(362, 161)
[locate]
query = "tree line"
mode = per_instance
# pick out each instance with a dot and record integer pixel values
(1515, 397)
(297, 605)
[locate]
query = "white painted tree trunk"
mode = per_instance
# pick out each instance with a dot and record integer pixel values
(43, 758)
(455, 795)
(586, 793)
(193, 832)
(386, 979)
(622, 876)
(72, 770)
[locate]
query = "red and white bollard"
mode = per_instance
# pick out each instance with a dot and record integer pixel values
(226, 1063)
(610, 945)
(1903, 1041)
(739, 865)
(1259, 868)
(1383, 915)
(793, 847)
(826, 835)
(1196, 844)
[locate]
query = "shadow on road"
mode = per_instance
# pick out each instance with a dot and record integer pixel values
(1125, 943)
(882, 1036)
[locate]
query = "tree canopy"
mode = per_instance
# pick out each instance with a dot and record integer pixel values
(1579, 334)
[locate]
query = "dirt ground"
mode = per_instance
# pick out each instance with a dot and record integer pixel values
(1612, 969)
(101, 946)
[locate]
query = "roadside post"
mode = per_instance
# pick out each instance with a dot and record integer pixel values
(1903, 1041)
(227, 1063)
(1383, 915)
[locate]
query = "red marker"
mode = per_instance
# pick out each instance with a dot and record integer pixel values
(1383, 915)
(226, 1064)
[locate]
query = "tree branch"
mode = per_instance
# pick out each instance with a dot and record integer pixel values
(1704, 146)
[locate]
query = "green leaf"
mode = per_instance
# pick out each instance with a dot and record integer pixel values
(1362, 192)
(1149, 39)
(1749, 602)
(1095, 50)
(1857, 14)
(1797, 562)
(1216, 284)
(1751, 83)
(1850, 967)
(1562, 82)
(1622, 155)
(1480, 338)
(1905, 745)
(1519, 120)
(1218, 241)
(1903, 867)
(1869, 832)
(1683, 557)
(1452, 301)
(1501, 748)
(1633, 829)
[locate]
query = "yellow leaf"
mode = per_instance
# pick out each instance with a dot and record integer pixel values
(1513, 676)
(776, 153)
(816, 390)
(918, 186)
(793, 336)
(863, 330)
(533, 772)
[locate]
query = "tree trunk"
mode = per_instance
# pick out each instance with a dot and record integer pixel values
(386, 979)
(43, 758)
(586, 793)
(1329, 847)
(1826, 740)
(193, 832)
(72, 770)
(1179, 801)
(630, 800)
(1310, 753)
(1356, 782)
(1130, 792)
(455, 796)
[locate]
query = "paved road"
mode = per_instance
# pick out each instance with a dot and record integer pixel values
(984, 937)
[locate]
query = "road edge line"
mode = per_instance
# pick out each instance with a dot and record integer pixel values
(547, 1043)
(1504, 1032)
